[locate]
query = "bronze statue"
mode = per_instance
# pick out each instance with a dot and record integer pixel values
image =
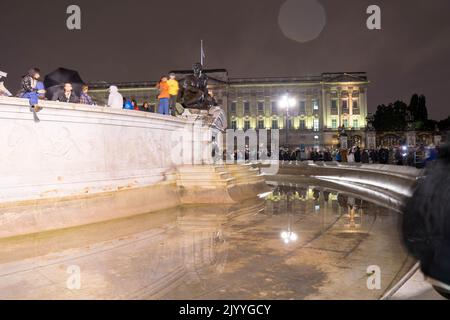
(194, 91)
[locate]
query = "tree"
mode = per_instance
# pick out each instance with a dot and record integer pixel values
(391, 117)
(414, 105)
(422, 111)
(444, 125)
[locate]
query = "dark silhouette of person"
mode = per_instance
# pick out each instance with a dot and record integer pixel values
(426, 223)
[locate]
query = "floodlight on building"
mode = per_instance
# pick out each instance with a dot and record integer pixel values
(287, 102)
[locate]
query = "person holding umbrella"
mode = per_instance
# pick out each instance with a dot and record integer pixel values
(56, 81)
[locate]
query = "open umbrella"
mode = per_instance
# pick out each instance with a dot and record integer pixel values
(54, 82)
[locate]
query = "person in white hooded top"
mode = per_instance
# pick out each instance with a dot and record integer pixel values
(3, 90)
(115, 100)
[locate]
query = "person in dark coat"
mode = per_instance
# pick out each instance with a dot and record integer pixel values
(426, 224)
(365, 157)
(29, 88)
(68, 95)
(383, 156)
(358, 155)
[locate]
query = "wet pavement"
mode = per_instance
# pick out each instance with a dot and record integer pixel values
(302, 242)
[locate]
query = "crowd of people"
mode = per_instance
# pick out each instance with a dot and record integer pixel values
(416, 156)
(33, 89)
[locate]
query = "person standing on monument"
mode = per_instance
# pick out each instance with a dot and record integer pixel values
(174, 88)
(164, 96)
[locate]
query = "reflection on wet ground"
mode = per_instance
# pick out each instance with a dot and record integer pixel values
(300, 242)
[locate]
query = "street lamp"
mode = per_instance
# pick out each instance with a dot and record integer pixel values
(287, 102)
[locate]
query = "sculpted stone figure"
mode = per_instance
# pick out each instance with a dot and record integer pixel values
(194, 91)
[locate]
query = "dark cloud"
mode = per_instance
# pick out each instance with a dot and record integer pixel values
(140, 40)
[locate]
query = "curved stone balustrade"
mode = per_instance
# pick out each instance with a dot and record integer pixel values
(385, 184)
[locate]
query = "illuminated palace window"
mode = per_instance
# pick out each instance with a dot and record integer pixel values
(273, 105)
(247, 107)
(233, 107)
(260, 108)
(334, 124)
(302, 107)
(246, 125)
(274, 124)
(315, 104)
(355, 106)
(302, 124)
(233, 124)
(345, 123)
(316, 125)
(334, 107)
(289, 124)
(345, 106)
(355, 124)
(261, 124)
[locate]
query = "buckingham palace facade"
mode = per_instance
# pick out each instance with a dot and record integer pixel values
(320, 105)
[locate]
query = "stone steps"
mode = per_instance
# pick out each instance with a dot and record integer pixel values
(218, 184)
(204, 176)
(245, 174)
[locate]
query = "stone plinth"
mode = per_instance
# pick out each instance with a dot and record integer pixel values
(81, 165)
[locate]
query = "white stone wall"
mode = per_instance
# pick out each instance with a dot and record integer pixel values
(79, 150)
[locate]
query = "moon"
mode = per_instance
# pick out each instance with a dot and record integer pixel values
(302, 20)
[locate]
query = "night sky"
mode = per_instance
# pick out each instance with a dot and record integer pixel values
(140, 40)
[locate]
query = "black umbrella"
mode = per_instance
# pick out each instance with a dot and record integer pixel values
(54, 82)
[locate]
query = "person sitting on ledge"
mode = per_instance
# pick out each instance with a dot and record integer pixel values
(135, 104)
(68, 96)
(85, 98)
(41, 90)
(145, 107)
(29, 88)
(127, 104)
(3, 91)
(115, 99)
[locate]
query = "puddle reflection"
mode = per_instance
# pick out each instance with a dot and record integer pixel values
(299, 242)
